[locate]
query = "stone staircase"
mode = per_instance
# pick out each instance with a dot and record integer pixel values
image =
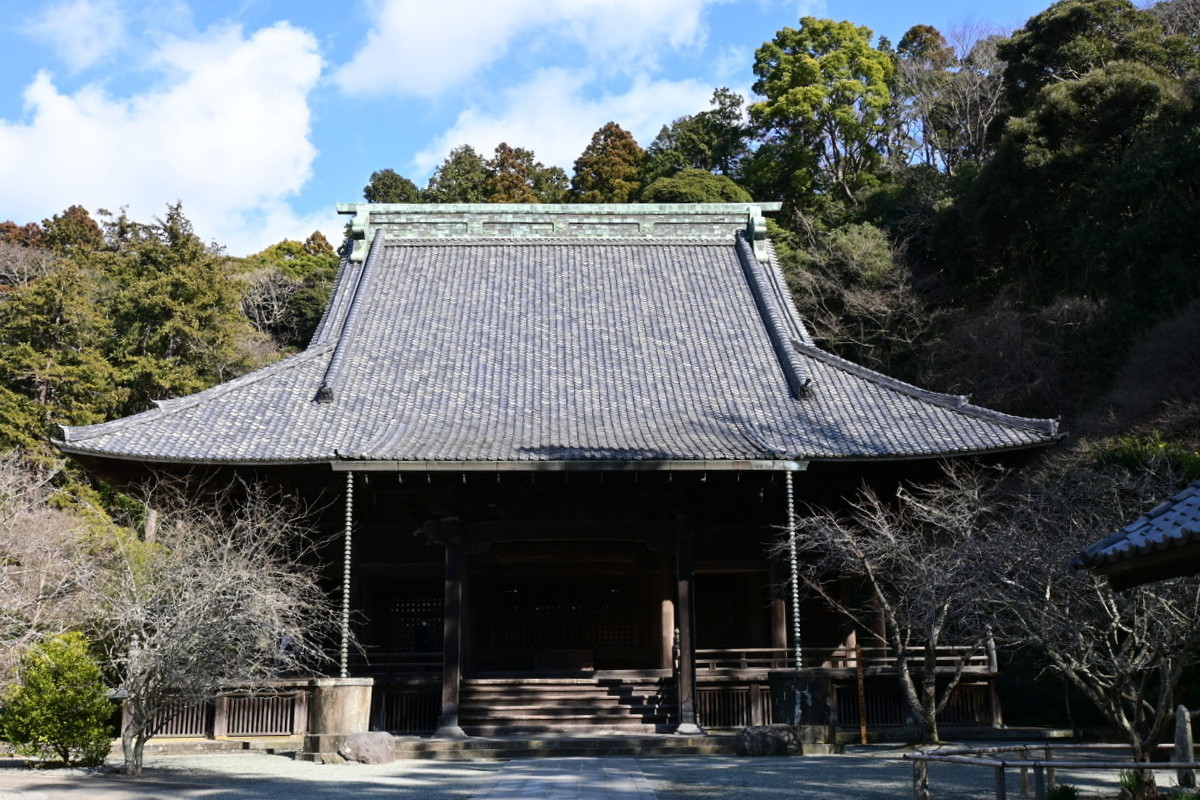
(560, 746)
(589, 705)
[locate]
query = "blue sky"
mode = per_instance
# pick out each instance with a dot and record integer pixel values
(260, 115)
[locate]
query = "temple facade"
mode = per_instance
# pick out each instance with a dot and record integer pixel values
(562, 445)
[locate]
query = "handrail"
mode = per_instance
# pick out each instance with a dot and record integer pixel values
(399, 661)
(1043, 768)
(834, 658)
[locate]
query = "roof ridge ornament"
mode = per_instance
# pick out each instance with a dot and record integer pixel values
(325, 392)
(585, 222)
(756, 232)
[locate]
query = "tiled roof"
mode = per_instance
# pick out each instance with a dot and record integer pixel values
(565, 348)
(1172, 524)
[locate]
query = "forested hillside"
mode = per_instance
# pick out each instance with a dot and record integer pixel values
(1006, 215)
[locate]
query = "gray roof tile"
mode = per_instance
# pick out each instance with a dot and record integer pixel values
(552, 349)
(1171, 524)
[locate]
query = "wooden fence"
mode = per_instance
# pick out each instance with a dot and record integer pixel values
(874, 659)
(1044, 769)
(276, 712)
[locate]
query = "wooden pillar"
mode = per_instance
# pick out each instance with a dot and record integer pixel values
(666, 658)
(448, 727)
(993, 689)
(685, 619)
(779, 612)
(1185, 750)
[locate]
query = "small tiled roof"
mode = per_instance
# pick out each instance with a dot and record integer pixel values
(559, 334)
(1150, 547)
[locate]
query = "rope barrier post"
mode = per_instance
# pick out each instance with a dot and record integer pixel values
(1050, 783)
(348, 545)
(1024, 773)
(1039, 781)
(1001, 788)
(1185, 750)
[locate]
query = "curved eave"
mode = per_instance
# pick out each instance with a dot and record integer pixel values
(580, 465)
(66, 447)
(940, 456)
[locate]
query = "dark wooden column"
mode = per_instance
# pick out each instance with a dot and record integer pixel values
(685, 618)
(779, 609)
(448, 727)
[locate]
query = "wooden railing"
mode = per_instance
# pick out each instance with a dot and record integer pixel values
(406, 709)
(276, 712)
(875, 659)
(725, 706)
(381, 662)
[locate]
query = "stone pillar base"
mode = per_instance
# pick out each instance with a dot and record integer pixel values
(339, 707)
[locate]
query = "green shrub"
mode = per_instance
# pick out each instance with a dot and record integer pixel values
(1137, 452)
(1062, 791)
(59, 710)
(1180, 793)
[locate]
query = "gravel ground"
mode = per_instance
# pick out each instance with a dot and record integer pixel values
(870, 773)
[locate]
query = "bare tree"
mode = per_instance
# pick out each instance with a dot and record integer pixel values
(951, 90)
(853, 289)
(1177, 16)
(42, 579)
(265, 302)
(20, 265)
(1124, 651)
(915, 559)
(972, 98)
(226, 595)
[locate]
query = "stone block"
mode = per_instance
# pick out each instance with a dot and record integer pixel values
(374, 747)
(767, 740)
(786, 740)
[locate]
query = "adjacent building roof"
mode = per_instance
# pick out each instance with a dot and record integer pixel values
(1164, 543)
(568, 335)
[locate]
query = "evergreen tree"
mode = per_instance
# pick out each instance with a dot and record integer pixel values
(54, 363)
(176, 311)
(462, 178)
(695, 186)
(388, 186)
(827, 104)
(610, 168)
(1073, 37)
(74, 230)
(60, 709)
(715, 140)
(516, 176)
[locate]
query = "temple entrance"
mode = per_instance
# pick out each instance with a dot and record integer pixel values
(573, 613)
(732, 610)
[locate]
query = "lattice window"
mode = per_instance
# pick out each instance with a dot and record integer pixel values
(563, 612)
(413, 616)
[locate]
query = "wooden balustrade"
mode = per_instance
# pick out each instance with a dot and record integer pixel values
(275, 712)
(382, 662)
(875, 659)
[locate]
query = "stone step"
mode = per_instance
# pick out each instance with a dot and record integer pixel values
(581, 728)
(582, 711)
(558, 698)
(564, 705)
(512, 747)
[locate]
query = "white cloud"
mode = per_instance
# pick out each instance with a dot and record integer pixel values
(227, 134)
(81, 32)
(423, 49)
(550, 115)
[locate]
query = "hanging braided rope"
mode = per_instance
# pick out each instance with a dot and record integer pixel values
(348, 539)
(791, 523)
